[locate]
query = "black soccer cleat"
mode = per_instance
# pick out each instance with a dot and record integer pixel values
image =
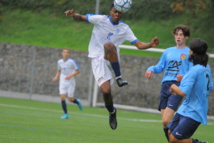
(121, 82)
(113, 120)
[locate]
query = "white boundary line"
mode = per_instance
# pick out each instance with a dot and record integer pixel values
(91, 115)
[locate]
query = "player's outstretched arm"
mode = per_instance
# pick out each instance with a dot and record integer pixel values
(75, 16)
(140, 45)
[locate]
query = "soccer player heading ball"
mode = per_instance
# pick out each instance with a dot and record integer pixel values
(108, 33)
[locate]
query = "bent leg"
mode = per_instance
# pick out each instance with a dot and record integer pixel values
(167, 116)
(112, 56)
(173, 139)
(181, 129)
(76, 101)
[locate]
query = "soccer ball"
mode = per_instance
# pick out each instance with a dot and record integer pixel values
(122, 5)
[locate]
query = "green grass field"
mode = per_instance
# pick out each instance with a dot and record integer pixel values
(27, 121)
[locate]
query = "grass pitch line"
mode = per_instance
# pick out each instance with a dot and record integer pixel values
(79, 114)
(85, 114)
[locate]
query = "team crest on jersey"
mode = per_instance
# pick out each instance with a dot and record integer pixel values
(118, 31)
(183, 56)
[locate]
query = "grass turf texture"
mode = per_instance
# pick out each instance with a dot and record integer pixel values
(24, 121)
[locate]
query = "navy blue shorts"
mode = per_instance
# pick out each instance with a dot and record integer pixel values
(183, 127)
(167, 99)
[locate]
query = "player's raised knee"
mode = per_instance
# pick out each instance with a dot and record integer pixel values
(109, 47)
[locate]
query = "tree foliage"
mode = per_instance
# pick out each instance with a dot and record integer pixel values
(151, 10)
(141, 9)
(199, 13)
(194, 7)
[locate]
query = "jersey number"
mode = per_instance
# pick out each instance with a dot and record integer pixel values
(208, 82)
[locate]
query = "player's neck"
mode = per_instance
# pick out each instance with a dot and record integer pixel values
(65, 59)
(181, 46)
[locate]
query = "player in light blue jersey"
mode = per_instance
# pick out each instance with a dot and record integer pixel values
(196, 86)
(108, 33)
(174, 62)
(67, 69)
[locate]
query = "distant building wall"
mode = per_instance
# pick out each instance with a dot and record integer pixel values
(30, 69)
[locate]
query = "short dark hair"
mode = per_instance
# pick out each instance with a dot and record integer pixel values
(185, 29)
(199, 48)
(112, 5)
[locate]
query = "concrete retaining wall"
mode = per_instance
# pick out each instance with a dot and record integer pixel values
(30, 69)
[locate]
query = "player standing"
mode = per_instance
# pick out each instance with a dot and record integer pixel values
(196, 86)
(108, 33)
(67, 69)
(175, 62)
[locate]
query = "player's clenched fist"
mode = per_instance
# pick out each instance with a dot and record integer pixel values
(70, 12)
(149, 74)
(154, 42)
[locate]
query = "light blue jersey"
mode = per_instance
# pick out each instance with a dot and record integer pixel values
(174, 61)
(197, 85)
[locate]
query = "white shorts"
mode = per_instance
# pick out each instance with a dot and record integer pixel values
(67, 87)
(101, 70)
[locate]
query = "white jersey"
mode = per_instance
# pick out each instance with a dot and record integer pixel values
(66, 68)
(106, 31)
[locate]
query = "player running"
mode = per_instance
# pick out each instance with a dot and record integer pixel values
(108, 33)
(175, 62)
(67, 69)
(196, 87)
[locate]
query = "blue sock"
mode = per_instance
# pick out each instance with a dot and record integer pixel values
(75, 101)
(116, 68)
(64, 107)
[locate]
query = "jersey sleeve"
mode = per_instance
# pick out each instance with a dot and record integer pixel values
(160, 66)
(188, 81)
(76, 65)
(94, 19)
(210, 80)
(130, 36)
